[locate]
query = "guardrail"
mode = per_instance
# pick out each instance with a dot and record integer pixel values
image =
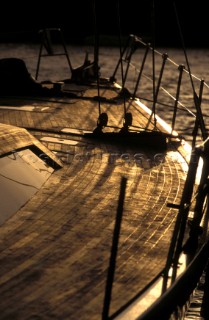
(153, 66)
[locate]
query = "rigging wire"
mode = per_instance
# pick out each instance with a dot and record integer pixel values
(121, 55)
(96, 52)
(176, 244)
(153, 60)
(153, 113)
(196, 98)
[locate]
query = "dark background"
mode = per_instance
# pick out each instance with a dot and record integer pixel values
(161, 22)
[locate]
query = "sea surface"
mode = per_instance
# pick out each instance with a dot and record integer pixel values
(196, 61)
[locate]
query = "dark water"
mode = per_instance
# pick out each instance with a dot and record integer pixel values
(197, 60)
(56, 68)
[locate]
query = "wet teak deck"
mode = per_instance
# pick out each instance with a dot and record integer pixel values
(55, 250)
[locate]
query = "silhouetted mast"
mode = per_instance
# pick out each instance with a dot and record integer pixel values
(96, 51)
(153, 61)
(96, 36)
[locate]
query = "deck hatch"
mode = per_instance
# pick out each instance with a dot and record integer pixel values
(22, 173)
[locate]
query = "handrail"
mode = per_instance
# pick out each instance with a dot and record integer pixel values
(182, 216)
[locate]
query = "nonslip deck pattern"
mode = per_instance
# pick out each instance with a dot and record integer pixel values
(55, 250)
